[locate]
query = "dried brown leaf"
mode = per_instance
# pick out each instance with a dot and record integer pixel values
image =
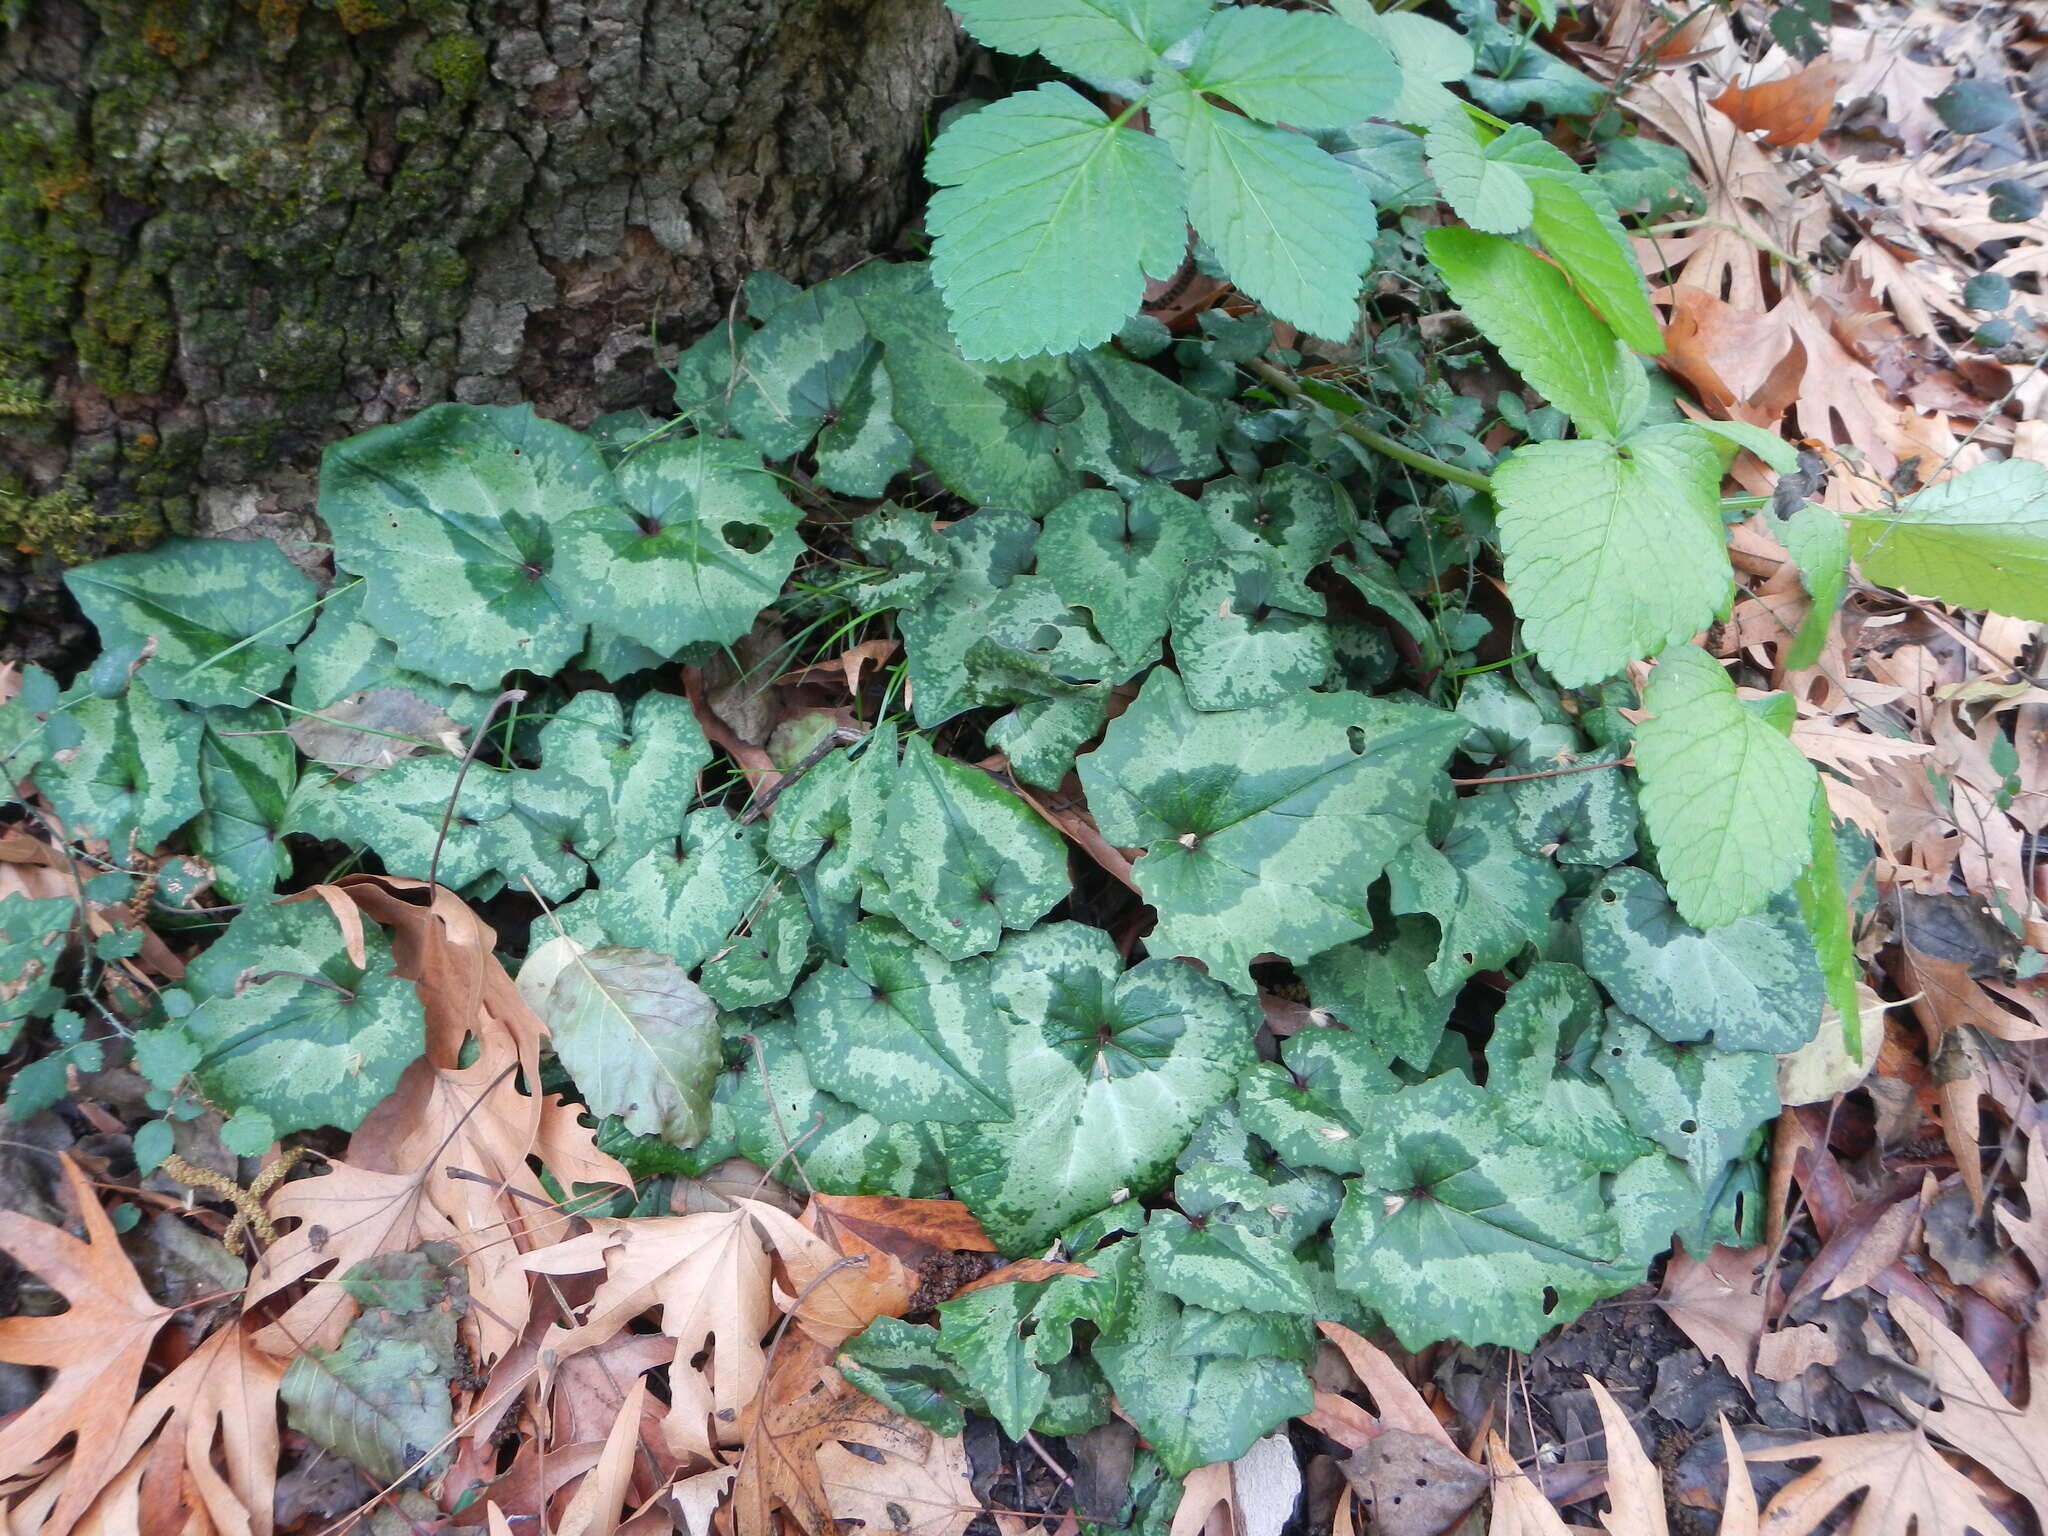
(1717, 1303)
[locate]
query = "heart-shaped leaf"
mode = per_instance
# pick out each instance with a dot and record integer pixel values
(247, 768)
(134, 772)
(1489, 898)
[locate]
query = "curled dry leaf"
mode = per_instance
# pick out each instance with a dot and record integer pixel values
(1790, 110)
(1635, 1489)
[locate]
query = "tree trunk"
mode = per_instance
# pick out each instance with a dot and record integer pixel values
(234, 230)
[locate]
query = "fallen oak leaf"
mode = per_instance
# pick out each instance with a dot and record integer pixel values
(97, 1347)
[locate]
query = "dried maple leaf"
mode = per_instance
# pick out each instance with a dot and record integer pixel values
(97, 1346)
(1635, 1489)
(2008, 1441)
(1907, 1488)
(1715, 1303)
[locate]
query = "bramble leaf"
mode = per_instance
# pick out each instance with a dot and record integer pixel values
(1294, 67)
(1979, 540)
(1089, 38)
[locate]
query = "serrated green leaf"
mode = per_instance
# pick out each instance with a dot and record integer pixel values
(1379, 988)
(398, 815)
(1137, 428)
(1313, 1107)
(1427, 52)
(134, 771)
(1818, 543)
(903, 1032)
(1724, 794)
(639, 1037)
(247, 768)
(223, 614)
(1090, 38)
(1612, 552)
(1294, 67)
(1526, 307)
(1110, 1074)
(1490, 899)
(1772, 449)
(301, 1033)
(1697, 1102)
(1458, 1229)
(1979, 540)
(695, 540)
(1483, 190)
(961, 857)
(454, 517)
(1047, 219)
(635, 781)
(1544, 1038)
(1263, 828)
(989, 430)
(813, 371)
(1752, 984)
(1292, 227)
(1234, 643)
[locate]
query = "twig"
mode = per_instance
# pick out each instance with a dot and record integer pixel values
(1548, 773)
(764, 801)
(1379, 442)
(509, 696)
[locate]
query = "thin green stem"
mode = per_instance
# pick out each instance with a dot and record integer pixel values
(1379, 442)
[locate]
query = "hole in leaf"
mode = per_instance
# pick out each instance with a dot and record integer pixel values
(1608, 895)
(1688, 1127)
(864, 1452)
(1355, 735)
(747, 538)
(1549, 1300)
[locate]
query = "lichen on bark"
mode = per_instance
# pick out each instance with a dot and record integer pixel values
(232, 230)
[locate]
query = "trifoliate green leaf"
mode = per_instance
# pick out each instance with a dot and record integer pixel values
(1456, 1228)
(1047, 219)
(1752, 984)
(962, 858)
(851, 1152)
(695, 541)
(1613, 552)
(1978, 541)
(813, 371)
(1090, 38)
(989, 430)
(636, 782)
(903, 1032)
(1379, 988)
(1697, 1102)
(1577, 818)
(1292, 517)
(1110, 1073)
(1291, 226)
(1490, 899)
(247, 767)
(1526, 307)
(1194, 1411)
(1538, 1058)
(989, 550)
(1263, 828)
(1818, 542)
(1294, 67)
(299, 1032)
(1484, 191)
(454, 518)
(1314, 1106)
(133, 773)
(1137, 428)
(223, 614)
(1123, 561)
(399, 813)
(639, 1037)
(759, 965)
(682, 897)
(1235, 642)
(1724, 794)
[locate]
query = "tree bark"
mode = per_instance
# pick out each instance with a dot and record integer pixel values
(234, 230)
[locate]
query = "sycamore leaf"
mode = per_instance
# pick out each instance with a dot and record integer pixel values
(1973, 1414)
(96, 1348)
(1379, 988)
(1236, 643)
(1294, 67)
(454, 517)
(903, 1032)
(1313, 1107)
(1291, 226)
(1978, 541)
(1456, 1228)
(247, 768)
(223, 614)
(695, 540)
(1110, 1072)
(1697, 1102)
(1907, 1487)
(1089, 38)
(1752, 984)
(1635, 1488)
(638, 1036)
(1725, 795)
(1490, 899)
(134, 771)
(1263, 828)
(1526, 307)
(962, 858)
(1123, 561)
(1612, 551)
(1047, 219)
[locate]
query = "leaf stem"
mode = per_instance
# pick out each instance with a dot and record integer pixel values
(1379, 442)
(1548, 773)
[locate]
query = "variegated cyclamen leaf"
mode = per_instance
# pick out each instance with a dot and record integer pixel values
(1236, 643)
(1314, 1105)
(1137, 427)
(1544, 1038)
(1514, 731)
(1378, 987)
(222, 614)
(343, 655)
(1697, 1102)
(247, 769)
(1263, 828)
(912, 558)
(1577, 818)
(1123, 561)
(812, 828)
(637, 781)
(696, 540)
(1752, 984)
(454, 517)
(1292, 517)
(961, 857)
(134, 771)
(1490, 899)
(904, 1033)
(1233, 1259)
(399, 813)
(545, 838)
(1110, 1071)
(989, 551)
(1225, 1165)
(681, 897)
(1456, 1228)
(760, 964)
